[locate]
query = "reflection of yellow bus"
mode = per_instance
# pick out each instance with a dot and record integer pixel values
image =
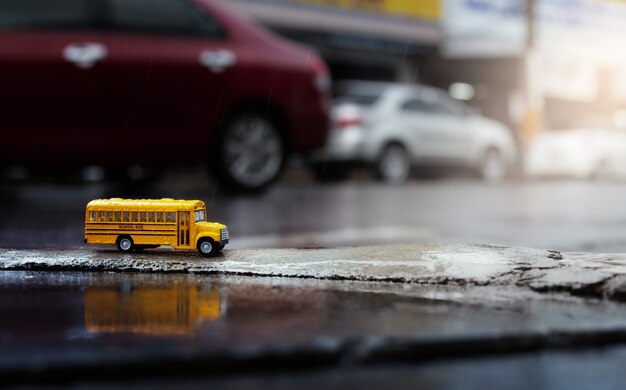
(173, 309)
(148, 223)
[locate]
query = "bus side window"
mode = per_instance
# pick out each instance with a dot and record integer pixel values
(109, 216)
(92, 216)
(170, 216)
(101, 216)
(142, 216)
(151, 216)
(126, 216)
(118, 216)
(134, 216)
(160, 217)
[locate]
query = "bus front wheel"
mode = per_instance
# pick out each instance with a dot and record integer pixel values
(208, 248)
(125, 244)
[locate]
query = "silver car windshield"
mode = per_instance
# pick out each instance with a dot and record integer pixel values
(361, 94)
(358, 99)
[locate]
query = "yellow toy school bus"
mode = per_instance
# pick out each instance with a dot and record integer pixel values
(137, 224)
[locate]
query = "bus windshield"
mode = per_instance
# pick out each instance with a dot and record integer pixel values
(200, 216)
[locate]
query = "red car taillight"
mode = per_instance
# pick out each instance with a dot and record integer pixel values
(343, 123)
(348, 116)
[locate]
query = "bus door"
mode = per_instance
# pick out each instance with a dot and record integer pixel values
(183, 228)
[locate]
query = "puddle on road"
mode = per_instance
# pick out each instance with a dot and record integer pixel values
(112, 309)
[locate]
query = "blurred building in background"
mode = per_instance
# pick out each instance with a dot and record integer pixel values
(360, 39)
(480, 48)
(575, 57)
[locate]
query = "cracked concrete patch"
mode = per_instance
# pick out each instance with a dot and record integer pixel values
(539, 270)
(416, 263)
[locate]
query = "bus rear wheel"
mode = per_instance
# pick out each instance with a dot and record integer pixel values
(125, 244)
(207, 247)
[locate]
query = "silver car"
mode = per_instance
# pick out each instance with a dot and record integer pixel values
(393, 127)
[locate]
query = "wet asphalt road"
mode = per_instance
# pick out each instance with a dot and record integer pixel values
(298, 212)
(56, 319)
(129, 329)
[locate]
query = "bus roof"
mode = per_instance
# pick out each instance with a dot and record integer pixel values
(165, 203)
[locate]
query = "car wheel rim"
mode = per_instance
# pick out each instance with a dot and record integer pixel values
(253, 151)
(394, 166)
(206, 247)
(125, 244)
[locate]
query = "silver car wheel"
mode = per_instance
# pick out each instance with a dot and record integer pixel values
(394, 165)
(253, 151)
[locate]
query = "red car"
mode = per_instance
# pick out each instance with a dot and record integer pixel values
(117, 83)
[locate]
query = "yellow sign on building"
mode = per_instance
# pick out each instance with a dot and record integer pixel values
(415, 9)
